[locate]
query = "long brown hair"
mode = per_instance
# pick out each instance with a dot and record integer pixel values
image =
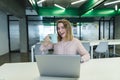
(68, 27)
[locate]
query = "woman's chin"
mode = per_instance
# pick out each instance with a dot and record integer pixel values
(63, 36)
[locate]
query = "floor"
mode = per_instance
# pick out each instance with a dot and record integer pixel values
(15, 57)
(25, 57)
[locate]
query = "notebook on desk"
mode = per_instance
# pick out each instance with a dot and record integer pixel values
(59, 65)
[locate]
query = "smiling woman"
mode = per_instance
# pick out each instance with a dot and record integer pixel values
(67, 44)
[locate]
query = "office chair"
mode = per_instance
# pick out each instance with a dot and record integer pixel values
(86, 46)
(35, 50)
(102, 48)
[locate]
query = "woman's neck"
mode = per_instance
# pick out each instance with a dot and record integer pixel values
(64, 39)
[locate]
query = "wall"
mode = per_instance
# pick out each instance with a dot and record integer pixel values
(14, 36)
(14, 7)
(23, 35)
(117, 28)
(3, 34)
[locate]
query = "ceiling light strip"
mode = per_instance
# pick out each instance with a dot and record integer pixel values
(40, 1)
(77, 1)
(116, 7)
(113, 2)
(32, 2)
(59, 6)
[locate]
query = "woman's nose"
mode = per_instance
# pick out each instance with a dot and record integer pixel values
(60, 30)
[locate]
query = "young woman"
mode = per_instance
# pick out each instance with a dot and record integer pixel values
(67, 44)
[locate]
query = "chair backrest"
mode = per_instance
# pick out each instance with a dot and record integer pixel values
(35, 50)
(102, 47)
(86, 45)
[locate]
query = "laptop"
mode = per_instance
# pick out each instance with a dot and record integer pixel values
(59, 65)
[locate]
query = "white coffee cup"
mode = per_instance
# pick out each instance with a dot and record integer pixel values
(53, 38)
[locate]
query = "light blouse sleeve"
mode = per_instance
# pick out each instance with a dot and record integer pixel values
(46, 47)
(46, 44)
(82, 51)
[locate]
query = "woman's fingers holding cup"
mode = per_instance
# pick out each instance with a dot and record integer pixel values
(53, 38)
(47, 38)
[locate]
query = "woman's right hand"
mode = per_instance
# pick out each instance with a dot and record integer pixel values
(46, 41)
(47, 44)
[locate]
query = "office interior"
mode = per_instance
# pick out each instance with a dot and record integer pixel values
(24, 23)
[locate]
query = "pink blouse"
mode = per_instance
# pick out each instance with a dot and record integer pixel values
(69, 48)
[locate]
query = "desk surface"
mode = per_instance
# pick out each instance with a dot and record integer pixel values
(110, 42)
(94, 69)
(96, 42)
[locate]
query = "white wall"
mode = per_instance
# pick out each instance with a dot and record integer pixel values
(117, 29)
(23, 35)
(14, 36)
(3, 33)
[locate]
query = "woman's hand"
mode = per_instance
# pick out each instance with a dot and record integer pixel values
(47, 44)
(46, 41)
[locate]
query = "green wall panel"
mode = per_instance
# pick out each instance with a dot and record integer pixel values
(84, 11)
(90, 4)
(54, 11)
(101, 12)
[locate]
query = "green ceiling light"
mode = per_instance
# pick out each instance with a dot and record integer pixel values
(100, 12)
(55, 11)
(105, 12)
(58, 11)
(119, 11)
(90, 10)
(88, 13)
(79, 1)
(59, 6)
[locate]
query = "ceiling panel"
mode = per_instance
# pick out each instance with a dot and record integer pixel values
(63, 3)
(81, 8)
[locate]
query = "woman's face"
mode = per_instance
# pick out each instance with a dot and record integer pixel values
(61, 30)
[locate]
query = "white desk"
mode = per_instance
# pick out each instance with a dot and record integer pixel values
(95, 69)
(96, 42)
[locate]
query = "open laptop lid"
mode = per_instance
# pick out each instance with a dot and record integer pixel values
(59, 65)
